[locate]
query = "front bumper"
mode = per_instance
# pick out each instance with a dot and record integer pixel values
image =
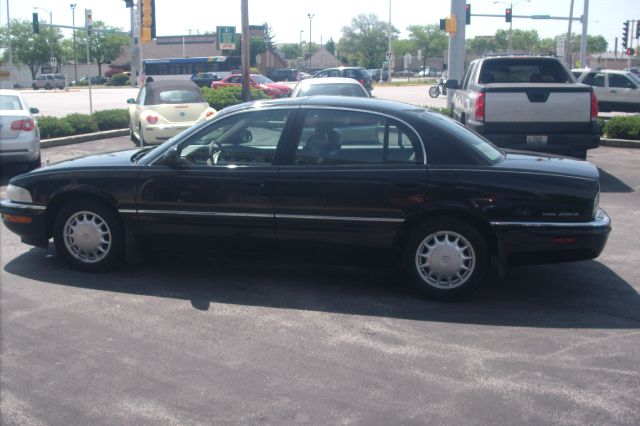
(26, 220)
(549, 242)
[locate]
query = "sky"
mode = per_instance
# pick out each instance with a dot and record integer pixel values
(288, 17)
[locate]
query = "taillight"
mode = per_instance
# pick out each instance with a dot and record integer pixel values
(26, 125)
(152, 119)
(480, 107)
(594, 106)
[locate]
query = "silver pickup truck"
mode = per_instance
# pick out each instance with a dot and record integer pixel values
(530, 103)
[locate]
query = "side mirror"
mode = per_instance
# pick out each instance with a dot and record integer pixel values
(131, 101)
(34, 110)
(452, 84)
(171, 157)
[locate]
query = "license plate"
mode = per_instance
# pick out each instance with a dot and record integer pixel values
(537, 139)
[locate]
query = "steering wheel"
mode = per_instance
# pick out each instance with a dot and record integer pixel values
(214, 155)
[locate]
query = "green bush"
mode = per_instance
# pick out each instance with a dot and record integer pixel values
(623, 127)
(120, 80)
(601, 124)
(110, 119)
(82, 123)
(226, 96)
(54, 127)
(441, 110)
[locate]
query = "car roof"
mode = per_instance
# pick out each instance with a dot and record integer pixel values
(328, 80)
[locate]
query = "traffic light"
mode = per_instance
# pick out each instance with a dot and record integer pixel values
(36, 24)
(625, 33)
(630, 51)
(468, 14)
(507, 15)
(148, 20)
(128, 3)
(443, 24)
(449, 24)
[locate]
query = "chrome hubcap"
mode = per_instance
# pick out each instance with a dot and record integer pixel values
(445, 259)
(87, 237)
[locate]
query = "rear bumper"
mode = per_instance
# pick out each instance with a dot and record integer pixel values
(561, 137)
(158, 133)
(540, 242)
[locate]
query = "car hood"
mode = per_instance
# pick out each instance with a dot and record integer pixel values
(547, 163)
(278, 86)
(112, 159)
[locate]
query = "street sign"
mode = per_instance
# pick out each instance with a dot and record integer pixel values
(540, 16)
(53, 62)
(388, 56)
(226, 38)
(560, 47)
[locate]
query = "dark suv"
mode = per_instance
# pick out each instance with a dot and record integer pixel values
(357, 73)
(286, 74)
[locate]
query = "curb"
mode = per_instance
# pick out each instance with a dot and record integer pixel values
(87, 137)
(620, 143)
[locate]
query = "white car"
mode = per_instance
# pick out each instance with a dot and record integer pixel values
(165, 108)
(330, 86)
(616, 90)
(19, 134)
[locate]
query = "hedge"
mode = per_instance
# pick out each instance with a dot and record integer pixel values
(75, 124)
(627, 127)
(226, 96)
(119, 80)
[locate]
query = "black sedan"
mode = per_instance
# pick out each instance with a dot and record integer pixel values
(204, 79)
(318, 175)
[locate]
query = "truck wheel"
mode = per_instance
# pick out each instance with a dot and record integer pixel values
(446, 259)
(88, 235)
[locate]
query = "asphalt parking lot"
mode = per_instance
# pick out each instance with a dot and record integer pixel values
(183, 339)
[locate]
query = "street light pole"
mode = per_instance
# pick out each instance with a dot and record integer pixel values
(389, 48)
(50, 28)
(310, 15)
(9, 38)
(300, 54)
(75, 58)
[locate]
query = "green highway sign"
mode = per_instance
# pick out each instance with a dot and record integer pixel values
(226, 38)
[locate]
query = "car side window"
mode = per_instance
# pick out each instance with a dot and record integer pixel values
(247, 139)
(594, 79)
(235, 79)
(322, 74)
(334, 73)
(467, 76)
(617, 80)
(337, 137)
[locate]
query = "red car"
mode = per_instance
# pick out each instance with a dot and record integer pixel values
(258, 81)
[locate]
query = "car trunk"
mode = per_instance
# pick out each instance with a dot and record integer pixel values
(6, 118)
(179, 113)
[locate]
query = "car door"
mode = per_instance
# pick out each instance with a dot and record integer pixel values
(598, 81)
(350, 178)
(138, 107)
(222, 187)
(622, 90)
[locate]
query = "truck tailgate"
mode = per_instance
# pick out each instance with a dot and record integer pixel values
(545, 103)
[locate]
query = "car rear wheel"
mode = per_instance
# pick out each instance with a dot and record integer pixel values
(88, 235)
(34, 86)
(141, 137)
(47, 86)
(132, 135)
(446, 259)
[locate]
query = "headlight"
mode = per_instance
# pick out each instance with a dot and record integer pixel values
(596, 203)
(18, 194)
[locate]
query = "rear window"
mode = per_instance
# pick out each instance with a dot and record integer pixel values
(532, 70)
(179, 96)
(10, 103)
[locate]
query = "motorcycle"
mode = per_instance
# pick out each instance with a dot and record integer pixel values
(439, 88)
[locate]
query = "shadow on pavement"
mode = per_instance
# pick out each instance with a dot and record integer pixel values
(610, 183)
(576, 295)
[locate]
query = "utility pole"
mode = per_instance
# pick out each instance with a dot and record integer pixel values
(88, 26)
(9, 39)
(583, 41)
(389, 52)
(244, 10)
(310, 15)
(455, 69)
(75, 57)
(567, 44)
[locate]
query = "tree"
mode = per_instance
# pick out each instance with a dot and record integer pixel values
(331, 46)
(32, 50)
(257, 45)
(290, 50)
(428, 38)
(365, 42)
(481, 45)
(596, 44)
(105, 45)
(269, 36)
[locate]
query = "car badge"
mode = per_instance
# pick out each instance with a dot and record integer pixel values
(182, 114)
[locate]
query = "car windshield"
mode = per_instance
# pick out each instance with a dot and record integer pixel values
(480, 145)
(341, 89)
(633, 77)
(10, 103)
(261, 79)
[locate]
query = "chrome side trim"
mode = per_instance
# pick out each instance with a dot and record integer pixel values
(20, 206)
(198, 213)
(601, 220)
(521, 172)
(127, 211)
(344, 218)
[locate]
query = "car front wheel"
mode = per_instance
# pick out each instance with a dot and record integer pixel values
(446, 259)
(88, 235)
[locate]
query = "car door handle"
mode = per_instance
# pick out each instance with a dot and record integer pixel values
(614, 91)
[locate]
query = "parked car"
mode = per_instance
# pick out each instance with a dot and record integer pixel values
(330, 86)
(285, 74)
(94, 80)
(204, 79)
(19, 134)
(357, 73)
(375, 74)
(616, 90)
(258, 81)
(165, 108)
(321, 174)
(527, 102)
(49, 81)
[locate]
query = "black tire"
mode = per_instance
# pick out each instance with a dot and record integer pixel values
(467, 257)
(434, 92)
(132, 136)
(35, 163)
(47, 86)
(92, 221)
(34, 86)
